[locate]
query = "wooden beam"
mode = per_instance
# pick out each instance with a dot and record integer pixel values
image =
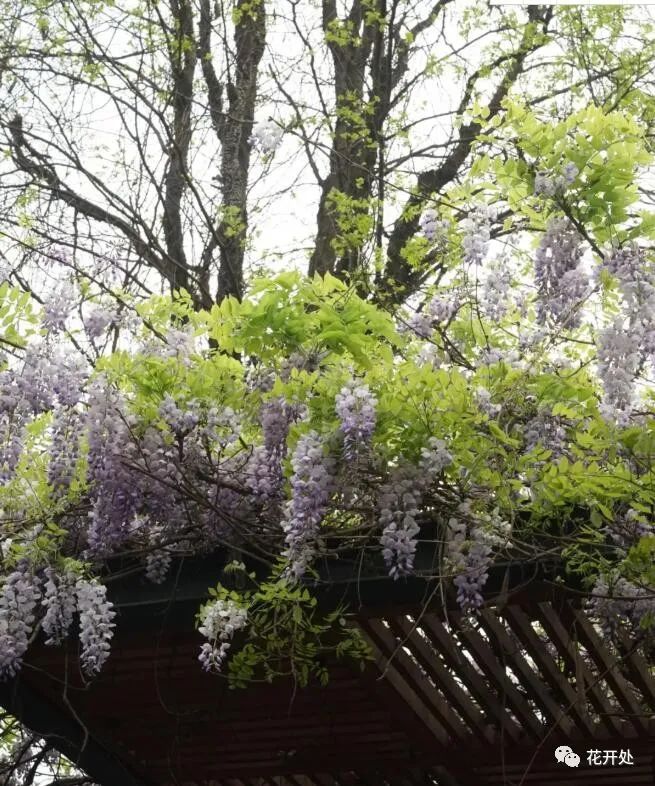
(637, 669)
(567, 704)
(407, 694)
(399, 661)
(442, 640)
(69, 737)
(589, 687)
(487, 661)
(429, 660)
(608, 668)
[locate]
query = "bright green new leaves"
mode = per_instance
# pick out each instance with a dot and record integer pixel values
(17, 318)
(291, 313)
(608, 148)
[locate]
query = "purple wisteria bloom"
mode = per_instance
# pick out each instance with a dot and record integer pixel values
(311, 486)
(96, 626)
(355, 407)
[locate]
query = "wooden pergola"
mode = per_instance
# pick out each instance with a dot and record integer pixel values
(447, 700)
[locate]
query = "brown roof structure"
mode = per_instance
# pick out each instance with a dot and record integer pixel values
(446, 700)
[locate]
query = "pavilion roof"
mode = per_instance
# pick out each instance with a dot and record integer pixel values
(447, 700)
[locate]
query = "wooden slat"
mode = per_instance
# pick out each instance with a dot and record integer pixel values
(560, 686)
(429, 660)
(607, 665)
(409, 696)
(487, 661)
(567, 650)
(398, 660)
(638, 670)
(443, 641)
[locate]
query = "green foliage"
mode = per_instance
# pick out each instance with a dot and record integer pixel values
(287, 634)
(17, 317)
(607, 147)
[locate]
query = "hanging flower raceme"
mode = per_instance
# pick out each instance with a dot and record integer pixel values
(264, 471)
(432, 227)
(96, 625)
(545, 430)
(549, 185)
(117, 495)
(398, 508)
(496, 289)
(219, 621)
(355, 407)
(561, 283)
(439, 310)
(477, 234)
(399, 503)
(618, 363)
(34, 383)
(275, 417)
(311, 486)
(636, 280)
(617, 602)
(180, 420)
(158, 561)
(60, 603)
(99, 321)
(12, 432)
(57, 309)
(19, 597)
(68, 378)
(469, 552)
(64, 450)
(483, 400)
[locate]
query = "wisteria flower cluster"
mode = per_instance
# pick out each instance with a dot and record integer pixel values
(96, 624)
(117, 497)
(355, 406)
(19, 597)
(219, 621)
(469, 551)
(496, 290)
(629, 339)
(265, 471)
(547, 431)
(439, 310)
(64, 451)
(484, 402)
(550, 185)
(57, 309)
(399, 503)
(312, 483)
(99, 321)
(477, 233)
(433, 228)
(616, 602)
(561, 282)
(158, 561)
(60, 603)
(618, 362)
